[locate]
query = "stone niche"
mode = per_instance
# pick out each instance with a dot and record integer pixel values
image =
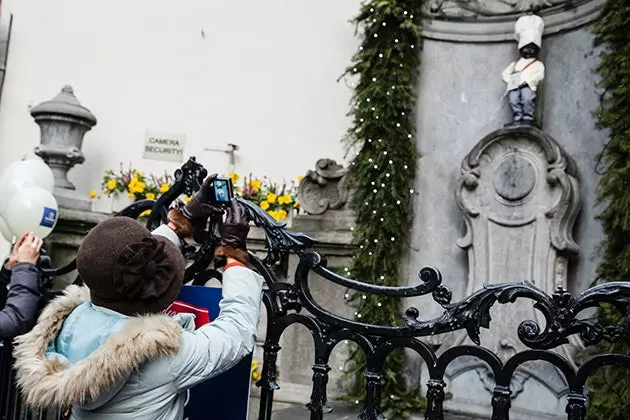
(519, 194)
(467, 44)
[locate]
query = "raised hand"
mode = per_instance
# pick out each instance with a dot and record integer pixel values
(28, 249)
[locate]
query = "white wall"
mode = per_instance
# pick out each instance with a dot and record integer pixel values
(261, 75)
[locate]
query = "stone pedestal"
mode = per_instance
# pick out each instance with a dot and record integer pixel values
(296, 358)
(64, 242)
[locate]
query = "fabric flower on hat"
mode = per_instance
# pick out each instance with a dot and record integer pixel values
(138, 269)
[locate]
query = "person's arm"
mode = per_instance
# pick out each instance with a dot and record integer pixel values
(221, 344)
(168, 232)
(5, 271)
(23, 296)
(5, 279)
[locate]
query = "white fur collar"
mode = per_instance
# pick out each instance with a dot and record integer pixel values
(53, 383)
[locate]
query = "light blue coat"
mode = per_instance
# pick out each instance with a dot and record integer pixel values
(109, 366)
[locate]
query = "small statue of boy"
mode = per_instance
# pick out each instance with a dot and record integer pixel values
(524, 75)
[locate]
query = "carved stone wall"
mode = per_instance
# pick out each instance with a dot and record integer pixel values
(519, 194)
(493, 20)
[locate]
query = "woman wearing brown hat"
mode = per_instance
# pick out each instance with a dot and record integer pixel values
(108, 351)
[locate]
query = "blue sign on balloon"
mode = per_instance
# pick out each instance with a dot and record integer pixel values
(226, 396)
(49, 217)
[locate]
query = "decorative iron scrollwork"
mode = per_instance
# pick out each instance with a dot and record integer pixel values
(293, 303)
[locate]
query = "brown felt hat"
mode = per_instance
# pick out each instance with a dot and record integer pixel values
(128, 270)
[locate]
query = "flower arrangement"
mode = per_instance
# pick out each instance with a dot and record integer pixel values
(134, 184)
(279, 200)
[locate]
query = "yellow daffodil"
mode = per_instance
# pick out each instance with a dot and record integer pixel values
(136, 186)
(271, 197)
(296, 205)
(282, 214)
(111, 184)
(264, 204)
(145, 213)
(274, 214)
(150, 196)
(284, 199)
(130, 195)
(92, 194)
(300, 178)
(164, 187)
(187, 199)
(234, 177)
(255, 184)
(137, 174)
(256, 373)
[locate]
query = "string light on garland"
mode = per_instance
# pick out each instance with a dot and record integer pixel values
(382, 134)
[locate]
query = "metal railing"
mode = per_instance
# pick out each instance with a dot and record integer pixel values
(293, 303)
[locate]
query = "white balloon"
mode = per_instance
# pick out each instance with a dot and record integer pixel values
(6, 232)
(41, 175)
(21, 174)
(32, 209)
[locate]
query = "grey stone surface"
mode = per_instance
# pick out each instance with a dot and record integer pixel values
(340, 411)
(63, 122)
(465, 78)
(492, 20)
(519, 197)
(63, 243)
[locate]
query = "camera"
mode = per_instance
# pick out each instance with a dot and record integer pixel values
(221, 192)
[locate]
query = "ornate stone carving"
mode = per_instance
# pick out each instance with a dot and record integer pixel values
(324, 188)
(492, 20)
(63, 122)
(475, 8)
(519, 195)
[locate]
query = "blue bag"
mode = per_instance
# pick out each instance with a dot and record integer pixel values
(225, 397)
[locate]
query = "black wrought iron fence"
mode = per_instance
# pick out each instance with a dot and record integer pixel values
(293, 303)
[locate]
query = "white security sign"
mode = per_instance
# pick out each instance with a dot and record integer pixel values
(164, 147)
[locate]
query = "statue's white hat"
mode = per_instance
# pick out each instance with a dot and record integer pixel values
(529, 29)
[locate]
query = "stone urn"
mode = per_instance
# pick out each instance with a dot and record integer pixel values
(63, 122)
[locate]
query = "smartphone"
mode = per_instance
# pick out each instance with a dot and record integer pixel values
(221, 192)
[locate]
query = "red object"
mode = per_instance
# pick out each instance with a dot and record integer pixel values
(233, 264)
(202, 317)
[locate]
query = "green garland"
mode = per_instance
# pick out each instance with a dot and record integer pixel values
(610, 399)
(382, 172)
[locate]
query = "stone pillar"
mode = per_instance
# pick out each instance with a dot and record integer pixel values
(63, 122)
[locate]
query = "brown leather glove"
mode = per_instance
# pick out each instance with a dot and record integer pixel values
(234, 231)
(193, 217)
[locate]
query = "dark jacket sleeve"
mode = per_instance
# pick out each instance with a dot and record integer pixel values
(5, 278)
(20, 310)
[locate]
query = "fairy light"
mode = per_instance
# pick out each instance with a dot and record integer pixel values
(378, 159)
